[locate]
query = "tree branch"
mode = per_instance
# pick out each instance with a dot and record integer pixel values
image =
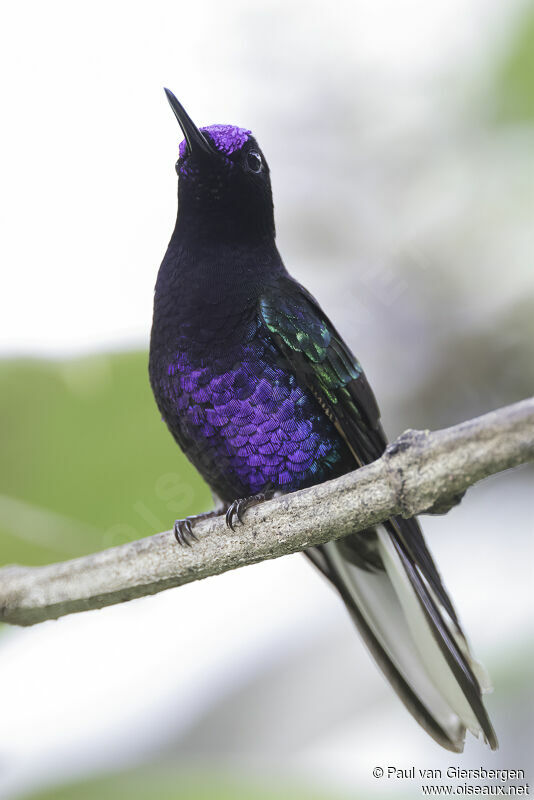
(420, 472)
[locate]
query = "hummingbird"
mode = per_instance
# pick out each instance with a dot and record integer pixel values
(264, 396)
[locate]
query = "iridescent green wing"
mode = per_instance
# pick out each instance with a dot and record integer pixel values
(321, 359)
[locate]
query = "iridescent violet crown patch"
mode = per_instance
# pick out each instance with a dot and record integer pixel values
(226, 138)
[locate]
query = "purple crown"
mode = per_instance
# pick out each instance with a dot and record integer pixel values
(226, 138)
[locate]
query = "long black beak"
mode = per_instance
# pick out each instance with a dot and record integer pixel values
(195, 140)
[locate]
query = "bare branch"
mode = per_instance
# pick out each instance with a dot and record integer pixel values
(420, 472)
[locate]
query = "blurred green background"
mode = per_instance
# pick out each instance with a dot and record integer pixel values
(173, 785)
(424, 217)
(88, 463)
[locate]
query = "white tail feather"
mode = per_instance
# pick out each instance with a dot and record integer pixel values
(390, 606)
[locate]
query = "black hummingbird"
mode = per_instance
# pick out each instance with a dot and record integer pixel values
(263, 395)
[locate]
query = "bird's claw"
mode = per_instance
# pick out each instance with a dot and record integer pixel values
(183, 528)
(183, 532)
(238, 507)
(234, 508)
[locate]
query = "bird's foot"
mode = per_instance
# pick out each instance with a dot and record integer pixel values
(238, 507)
(183, 528)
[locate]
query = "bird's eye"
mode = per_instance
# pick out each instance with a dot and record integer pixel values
(254, 161)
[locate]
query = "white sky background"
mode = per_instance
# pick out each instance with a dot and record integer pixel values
(88, 143)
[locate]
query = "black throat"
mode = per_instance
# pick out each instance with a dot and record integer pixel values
(208, 288)
(223, 209)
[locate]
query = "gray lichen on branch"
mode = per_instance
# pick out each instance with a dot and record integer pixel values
(420, 472)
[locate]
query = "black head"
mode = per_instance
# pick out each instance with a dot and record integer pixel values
(224, 188)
